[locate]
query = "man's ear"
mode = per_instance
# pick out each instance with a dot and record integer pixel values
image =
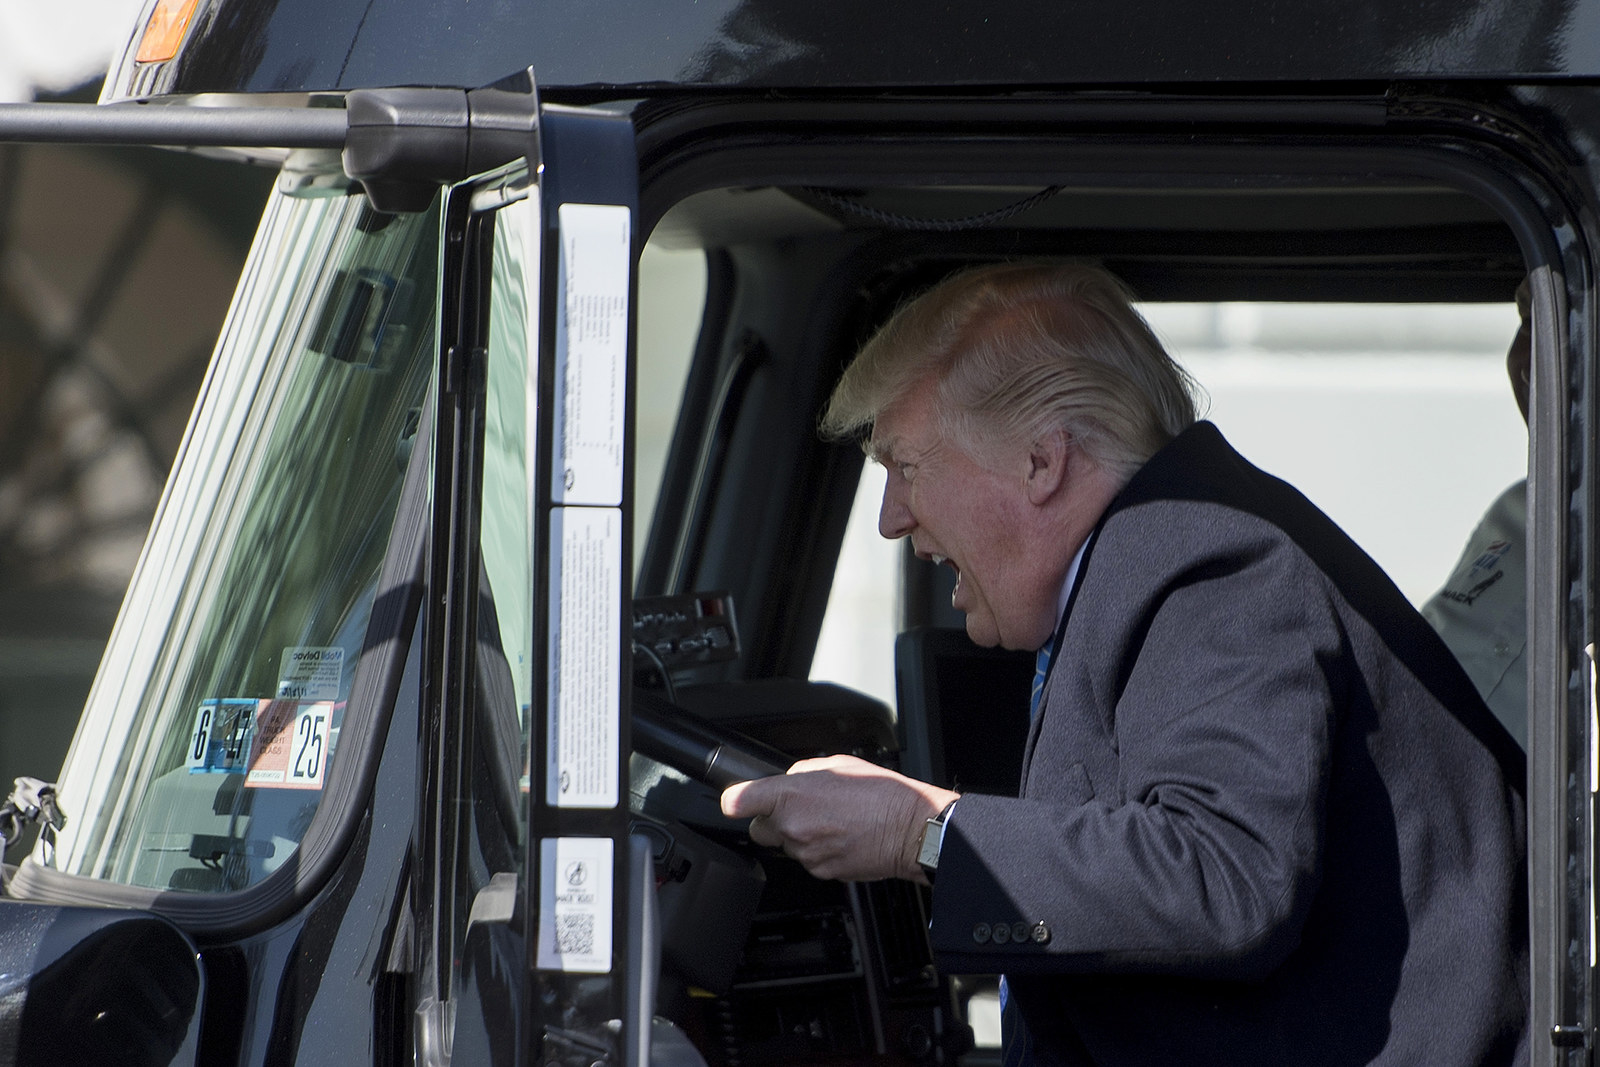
(1047, 466)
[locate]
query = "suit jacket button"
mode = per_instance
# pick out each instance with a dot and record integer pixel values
(1041, 934)
(980, 933)
(1002, 933)
(1019, 932)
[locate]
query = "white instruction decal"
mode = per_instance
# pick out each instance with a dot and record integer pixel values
(591, 353)
(585, 661)
(575, 904)
(310, 673)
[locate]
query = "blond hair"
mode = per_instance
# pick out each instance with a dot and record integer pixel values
(1019, 350)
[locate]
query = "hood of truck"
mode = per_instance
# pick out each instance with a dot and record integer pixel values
(647, 46)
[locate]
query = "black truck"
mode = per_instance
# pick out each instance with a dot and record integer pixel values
(468, 591)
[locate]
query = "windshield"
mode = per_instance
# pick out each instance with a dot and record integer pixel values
(212, 726)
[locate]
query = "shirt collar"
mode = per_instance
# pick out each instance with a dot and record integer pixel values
(1068, 585)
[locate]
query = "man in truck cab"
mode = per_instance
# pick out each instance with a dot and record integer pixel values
(1264, 817)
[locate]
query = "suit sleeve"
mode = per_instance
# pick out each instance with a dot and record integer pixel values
(1172, 822)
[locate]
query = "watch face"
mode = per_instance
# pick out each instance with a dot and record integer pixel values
(932, 838)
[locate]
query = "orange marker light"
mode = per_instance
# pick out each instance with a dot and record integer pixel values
(164, 32)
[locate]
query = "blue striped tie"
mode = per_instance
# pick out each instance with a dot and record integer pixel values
(1041, 668)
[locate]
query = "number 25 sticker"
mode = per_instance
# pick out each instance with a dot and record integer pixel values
(290, 750)
(310, 745)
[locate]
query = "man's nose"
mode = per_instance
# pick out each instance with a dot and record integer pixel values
(894, 518)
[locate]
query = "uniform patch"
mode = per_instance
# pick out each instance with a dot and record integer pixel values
(1490, 557)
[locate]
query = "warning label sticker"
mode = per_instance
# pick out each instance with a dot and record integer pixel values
(585, 639)
(575, 904)
(591, 352)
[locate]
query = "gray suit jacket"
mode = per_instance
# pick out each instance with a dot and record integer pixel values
(1264, 816)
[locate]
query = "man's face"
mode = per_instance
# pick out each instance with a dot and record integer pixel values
(969, 516)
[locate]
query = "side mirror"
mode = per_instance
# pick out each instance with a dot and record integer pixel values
(96, 985)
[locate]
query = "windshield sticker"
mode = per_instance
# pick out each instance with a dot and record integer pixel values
(585, 661)
(310, 673)
(221, 736)
(291, 744)
(575, 916)
(287, 741)
(591, 353)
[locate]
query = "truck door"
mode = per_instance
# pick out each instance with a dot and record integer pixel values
(525, 949)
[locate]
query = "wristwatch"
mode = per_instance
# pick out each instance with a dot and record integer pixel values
(933, 841)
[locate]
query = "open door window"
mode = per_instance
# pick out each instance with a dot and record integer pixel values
(525, 949)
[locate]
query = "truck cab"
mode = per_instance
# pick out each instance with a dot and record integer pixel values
(501, 536)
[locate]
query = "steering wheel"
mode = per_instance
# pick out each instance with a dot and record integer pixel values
(703, 750)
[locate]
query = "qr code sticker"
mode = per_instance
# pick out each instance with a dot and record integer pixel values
(575, 935)
(575, 904)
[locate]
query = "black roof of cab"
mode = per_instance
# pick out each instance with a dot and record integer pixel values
(644, 45)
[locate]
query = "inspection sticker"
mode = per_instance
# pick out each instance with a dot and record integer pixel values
(585, 658)
(221, 736)
(310, 673)
(591, 352)
(290, 750)
(575, 917)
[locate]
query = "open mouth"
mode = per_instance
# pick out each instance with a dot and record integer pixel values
(955, 592)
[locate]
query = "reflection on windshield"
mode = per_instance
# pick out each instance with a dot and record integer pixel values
(212, 727)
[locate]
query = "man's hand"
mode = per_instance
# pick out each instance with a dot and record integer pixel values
(841, 817)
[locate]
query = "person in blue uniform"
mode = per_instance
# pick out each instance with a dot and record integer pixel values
(1481, 610)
